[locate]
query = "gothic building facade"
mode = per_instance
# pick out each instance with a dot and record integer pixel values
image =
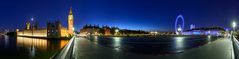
(53, 29)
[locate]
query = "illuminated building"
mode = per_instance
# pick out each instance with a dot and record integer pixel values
(70, 22)
(107, 32)
(214, 31)
(192, 26)
(53, 30)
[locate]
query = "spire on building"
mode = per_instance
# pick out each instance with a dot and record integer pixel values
(70, 13)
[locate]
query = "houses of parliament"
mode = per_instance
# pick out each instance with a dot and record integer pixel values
(53, 29)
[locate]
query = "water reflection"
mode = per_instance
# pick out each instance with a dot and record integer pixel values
(117, 43)
(39, 45)
(31, 42)
(32, 52)
(6, 40)
(179, 43)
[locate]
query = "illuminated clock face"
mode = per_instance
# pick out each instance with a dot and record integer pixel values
(70, 17)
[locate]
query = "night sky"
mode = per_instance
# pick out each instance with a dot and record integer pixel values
(126, 14)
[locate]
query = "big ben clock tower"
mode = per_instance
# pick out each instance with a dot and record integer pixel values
(70, 22)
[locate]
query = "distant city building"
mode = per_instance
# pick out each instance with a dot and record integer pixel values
(215, 31)
(90, 30)
(53, 30)
(107, 31)
(192, 26)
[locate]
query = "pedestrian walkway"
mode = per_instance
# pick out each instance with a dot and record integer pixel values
(219, 49)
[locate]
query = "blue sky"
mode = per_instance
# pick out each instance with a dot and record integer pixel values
(127, 14)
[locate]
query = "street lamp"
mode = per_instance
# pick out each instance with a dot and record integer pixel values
(116, 31)
(32, 19)
(234, 24)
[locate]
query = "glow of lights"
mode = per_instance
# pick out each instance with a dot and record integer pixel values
(179, 43)
(95, 39)
(179, 29)
(32, 51)
(70, 17)
(209, 38)
(117, 41)
(153, 32)
(234, 24)
(73, 29)
(32, 19)
(30, 42)
(156, 32)
(209, 32)
(179, 39)
(6, 39)
(117, 30)
(35, 35)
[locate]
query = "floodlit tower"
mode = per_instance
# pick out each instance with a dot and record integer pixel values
(28, 25)
(70, 22)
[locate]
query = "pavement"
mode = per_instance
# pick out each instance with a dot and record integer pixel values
(219, 49)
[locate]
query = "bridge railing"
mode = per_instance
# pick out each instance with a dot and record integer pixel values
(235, 44)
(236, 41)
(67, 52)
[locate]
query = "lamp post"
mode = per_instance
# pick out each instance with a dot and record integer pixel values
(32, 49)
(32, 19)
(234, 24)
(234, 53)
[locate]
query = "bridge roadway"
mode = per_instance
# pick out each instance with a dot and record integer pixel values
(85, 49)
(219, 49)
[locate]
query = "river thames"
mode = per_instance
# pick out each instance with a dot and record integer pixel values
(29, 48)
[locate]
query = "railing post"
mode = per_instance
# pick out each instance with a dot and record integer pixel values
(67, 52)
(235, 47)
(72, 55)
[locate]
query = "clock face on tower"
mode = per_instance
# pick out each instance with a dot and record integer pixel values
(70, 17)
